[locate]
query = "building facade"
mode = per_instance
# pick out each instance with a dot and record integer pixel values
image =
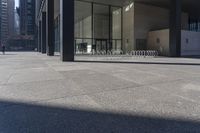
(25, 26)
(17, 22)
(0, 21)
(27, 17)
(11, 18)
(71, 27)
(4, 22)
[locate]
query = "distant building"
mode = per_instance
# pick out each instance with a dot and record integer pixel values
(0, 22)
(24, 38)
(11, 18)
(4, 22)
(16, 23)
(27, 17)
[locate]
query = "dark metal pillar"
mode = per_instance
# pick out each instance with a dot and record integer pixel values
(175, 28)
(110, 41)
(67, 30)
(43, 35)
(50, 27)
(39, 36)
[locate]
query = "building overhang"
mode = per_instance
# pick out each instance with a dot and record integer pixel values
(189, 6)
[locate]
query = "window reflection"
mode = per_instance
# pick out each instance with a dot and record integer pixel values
(98, 28)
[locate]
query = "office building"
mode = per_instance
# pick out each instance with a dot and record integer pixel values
(11, 18)
(27, 17)
(0, 21)
(71, 27)
(16, 23)
(25, 26)
(4, 22)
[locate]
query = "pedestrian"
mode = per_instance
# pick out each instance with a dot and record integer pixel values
(3, 49)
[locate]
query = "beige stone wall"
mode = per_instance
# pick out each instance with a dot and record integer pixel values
(116, 24)
(150, 18)
(128, 28)
(159, 40)
(140, 19)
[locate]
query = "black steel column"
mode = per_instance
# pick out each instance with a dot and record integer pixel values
(92, 28)
(39, 36)
(67, 30)
(43, 35)
(110, 41)
(50, 27)
(175, 28)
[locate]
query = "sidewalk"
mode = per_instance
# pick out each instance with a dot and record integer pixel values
(40, 94)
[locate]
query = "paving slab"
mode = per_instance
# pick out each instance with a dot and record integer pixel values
(41, 94)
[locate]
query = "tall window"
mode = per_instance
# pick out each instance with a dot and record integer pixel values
(116, 28)
(83, 27)
(98, 28)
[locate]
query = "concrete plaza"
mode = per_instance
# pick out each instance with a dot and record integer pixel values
(40, 94)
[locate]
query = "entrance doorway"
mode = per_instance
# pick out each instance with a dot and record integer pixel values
(101, 45)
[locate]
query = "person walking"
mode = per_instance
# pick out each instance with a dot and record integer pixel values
(3, 49)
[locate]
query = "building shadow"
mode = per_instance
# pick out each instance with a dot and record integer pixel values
(8, 54)
(140, 63)
(30, 118)
(192, 57)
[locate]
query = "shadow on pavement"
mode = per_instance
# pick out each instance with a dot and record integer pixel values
(7, 54)
(142, 63)
(192, 57)
(27, 118)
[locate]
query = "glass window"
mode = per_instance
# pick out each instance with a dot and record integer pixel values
(83, 19)
(116, 22)
(101, 21)
(98, 28)
(83, 46)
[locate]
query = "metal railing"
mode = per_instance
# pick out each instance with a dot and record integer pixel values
(145, 53)
(120, 53)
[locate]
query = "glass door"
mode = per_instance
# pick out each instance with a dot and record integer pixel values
(101, 45)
